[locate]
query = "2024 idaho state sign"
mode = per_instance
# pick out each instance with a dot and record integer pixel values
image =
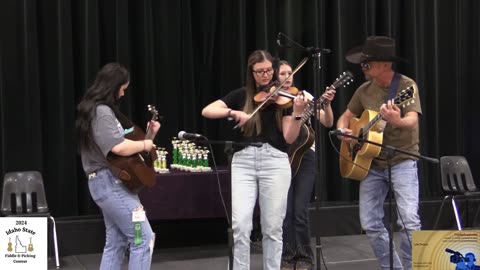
(23, 243)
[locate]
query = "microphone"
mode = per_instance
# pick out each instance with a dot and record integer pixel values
(278, 39)
(182, 135)
(337, 132)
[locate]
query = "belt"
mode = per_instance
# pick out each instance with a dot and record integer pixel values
(92, 175)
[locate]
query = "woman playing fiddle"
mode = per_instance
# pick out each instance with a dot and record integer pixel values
(261, 170)
(297, 252)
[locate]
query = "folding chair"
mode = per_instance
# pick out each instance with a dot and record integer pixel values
(457, 182)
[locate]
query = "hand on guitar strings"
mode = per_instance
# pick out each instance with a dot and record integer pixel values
(346, 131)
(328, 95)
(148, 145)
(390, 112)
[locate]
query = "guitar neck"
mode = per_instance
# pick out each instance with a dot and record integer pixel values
(149, 135)
(403, 97)
(311, 109)
(370, 124)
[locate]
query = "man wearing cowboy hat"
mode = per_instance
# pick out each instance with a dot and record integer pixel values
(376, 57)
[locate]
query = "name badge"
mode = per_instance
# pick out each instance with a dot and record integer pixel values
(138, 216)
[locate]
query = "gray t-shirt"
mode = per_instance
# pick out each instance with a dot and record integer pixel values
(107, 132)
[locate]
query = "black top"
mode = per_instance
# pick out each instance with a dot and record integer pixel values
(270, 134)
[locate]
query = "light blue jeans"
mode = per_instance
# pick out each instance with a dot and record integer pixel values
(117, 204)
(373, 192)
(264, 171)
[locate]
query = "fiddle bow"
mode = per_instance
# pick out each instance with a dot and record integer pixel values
(276, 91)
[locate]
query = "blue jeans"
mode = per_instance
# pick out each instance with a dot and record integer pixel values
(117, 204)
(296, 226)
(373, 191)
(264, 171)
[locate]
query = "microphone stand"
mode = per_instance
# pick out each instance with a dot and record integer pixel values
(229, 151)
(315, 53)
(390, 152)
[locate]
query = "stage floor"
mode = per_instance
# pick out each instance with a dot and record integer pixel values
(339, 252)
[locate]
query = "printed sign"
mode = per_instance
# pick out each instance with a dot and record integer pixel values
(23, 243)
(446, 250)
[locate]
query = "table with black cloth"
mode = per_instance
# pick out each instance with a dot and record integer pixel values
(187, 195)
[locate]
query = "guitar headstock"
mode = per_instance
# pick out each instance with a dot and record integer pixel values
(154, 112)
(405, 96)
(344, 79)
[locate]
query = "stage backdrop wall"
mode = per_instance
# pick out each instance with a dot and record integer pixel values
(183, 54)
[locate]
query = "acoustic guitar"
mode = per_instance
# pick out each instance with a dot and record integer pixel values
(306, 136)
(355, 156)
(136, 171)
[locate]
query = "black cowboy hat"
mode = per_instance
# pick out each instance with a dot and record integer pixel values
(375, 48)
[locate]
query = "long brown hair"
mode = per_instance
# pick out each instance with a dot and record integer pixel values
(104, 90)
(255, 123)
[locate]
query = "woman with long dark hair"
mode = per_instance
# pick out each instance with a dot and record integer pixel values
(259, 171)
(101, 128)
(297, 250)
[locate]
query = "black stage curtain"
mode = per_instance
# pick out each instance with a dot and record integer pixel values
(184, 54)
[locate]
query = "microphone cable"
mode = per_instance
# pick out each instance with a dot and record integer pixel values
(222, 199)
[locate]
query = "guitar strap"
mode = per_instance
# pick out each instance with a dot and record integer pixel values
(390, 95)
(393, 87)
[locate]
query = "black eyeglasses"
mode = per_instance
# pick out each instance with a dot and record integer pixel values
(262, 72)
(365, 65)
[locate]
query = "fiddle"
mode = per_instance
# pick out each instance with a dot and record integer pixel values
(281, 97)
(271, 93)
